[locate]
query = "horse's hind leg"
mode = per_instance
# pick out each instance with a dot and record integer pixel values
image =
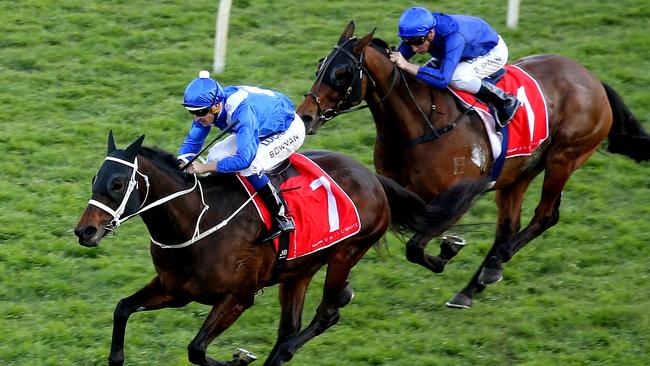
(508, 202)
(223, 315)
(150, 297)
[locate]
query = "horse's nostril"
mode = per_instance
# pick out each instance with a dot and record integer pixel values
(306, 118)
(85, 232)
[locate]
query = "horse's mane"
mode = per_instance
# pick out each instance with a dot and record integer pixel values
(168, 163)
(161, 159)
(380, 45)
(383, 48)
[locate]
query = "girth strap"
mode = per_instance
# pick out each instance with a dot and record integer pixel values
(280, 259)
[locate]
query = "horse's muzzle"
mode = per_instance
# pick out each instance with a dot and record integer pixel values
(89, 236)
(311, 124)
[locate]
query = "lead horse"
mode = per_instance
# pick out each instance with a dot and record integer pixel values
(422, 134)
(227, 264)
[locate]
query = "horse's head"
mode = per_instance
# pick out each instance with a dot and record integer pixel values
(112, 197)
(341, 81)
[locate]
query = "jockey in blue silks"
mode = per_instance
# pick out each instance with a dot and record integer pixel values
(465, 51)
(266, 132)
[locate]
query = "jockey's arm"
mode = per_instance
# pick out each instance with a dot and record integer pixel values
(194, 140)
(440, 77)
(405, 50)
(247, 136)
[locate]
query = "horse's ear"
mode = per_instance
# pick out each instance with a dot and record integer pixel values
(133, 149)
(363, 42)
(347, 32)
(111, 142)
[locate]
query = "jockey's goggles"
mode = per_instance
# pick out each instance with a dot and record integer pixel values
(414, 41)
(200, 112)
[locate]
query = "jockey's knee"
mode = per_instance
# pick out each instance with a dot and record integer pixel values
(471, 85)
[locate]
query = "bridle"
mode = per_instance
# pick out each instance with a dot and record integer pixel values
(397, 73)
(355, 84)
(133, 184)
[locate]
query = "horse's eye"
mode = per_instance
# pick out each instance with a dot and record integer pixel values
(339, 76)
(117, 185)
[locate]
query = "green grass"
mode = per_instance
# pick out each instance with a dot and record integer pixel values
(72, 70)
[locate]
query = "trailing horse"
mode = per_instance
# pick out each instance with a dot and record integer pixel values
(206, 243)
(428, 142)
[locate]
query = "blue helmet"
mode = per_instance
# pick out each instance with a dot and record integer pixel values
(416, 21)
(202, 92)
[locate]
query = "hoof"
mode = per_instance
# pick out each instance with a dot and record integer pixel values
(450, 245)
(242, 357)
(492, 271)
(460, 301)
(346, 295)
(116, 361)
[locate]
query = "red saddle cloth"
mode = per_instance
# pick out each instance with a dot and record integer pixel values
(529, 127)
(323, 213)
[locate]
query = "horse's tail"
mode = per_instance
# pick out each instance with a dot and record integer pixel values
(410, 214)
(627, 136)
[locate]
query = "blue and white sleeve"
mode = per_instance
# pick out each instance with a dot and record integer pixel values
(193, 142)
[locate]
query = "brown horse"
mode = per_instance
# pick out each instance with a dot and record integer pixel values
(427, 143)
(227, 266)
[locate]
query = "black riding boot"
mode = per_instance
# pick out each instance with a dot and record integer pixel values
(275, 203)
(503, 103)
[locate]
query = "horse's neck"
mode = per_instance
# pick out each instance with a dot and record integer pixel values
(397, 117)
(173, 220)
(211, 202)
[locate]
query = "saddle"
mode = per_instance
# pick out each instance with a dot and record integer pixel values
(492, 79)
(322, 212)
(282, 172)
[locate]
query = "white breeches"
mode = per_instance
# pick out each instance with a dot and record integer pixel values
(271, 151)
(469, 73)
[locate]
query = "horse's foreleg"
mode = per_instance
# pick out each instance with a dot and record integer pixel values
(222, 316)
(543, 219)
(150, 297)
(292, 301)
(327, 313)
(508, 202)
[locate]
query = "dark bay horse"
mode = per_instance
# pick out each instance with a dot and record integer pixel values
(227, 267)
(427, 143)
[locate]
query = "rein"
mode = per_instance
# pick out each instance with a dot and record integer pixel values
(435, 133)
(198, 236)
(397, 73)
(133, 184)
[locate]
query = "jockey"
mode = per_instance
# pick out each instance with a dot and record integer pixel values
(465, 50)
(267, 132)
